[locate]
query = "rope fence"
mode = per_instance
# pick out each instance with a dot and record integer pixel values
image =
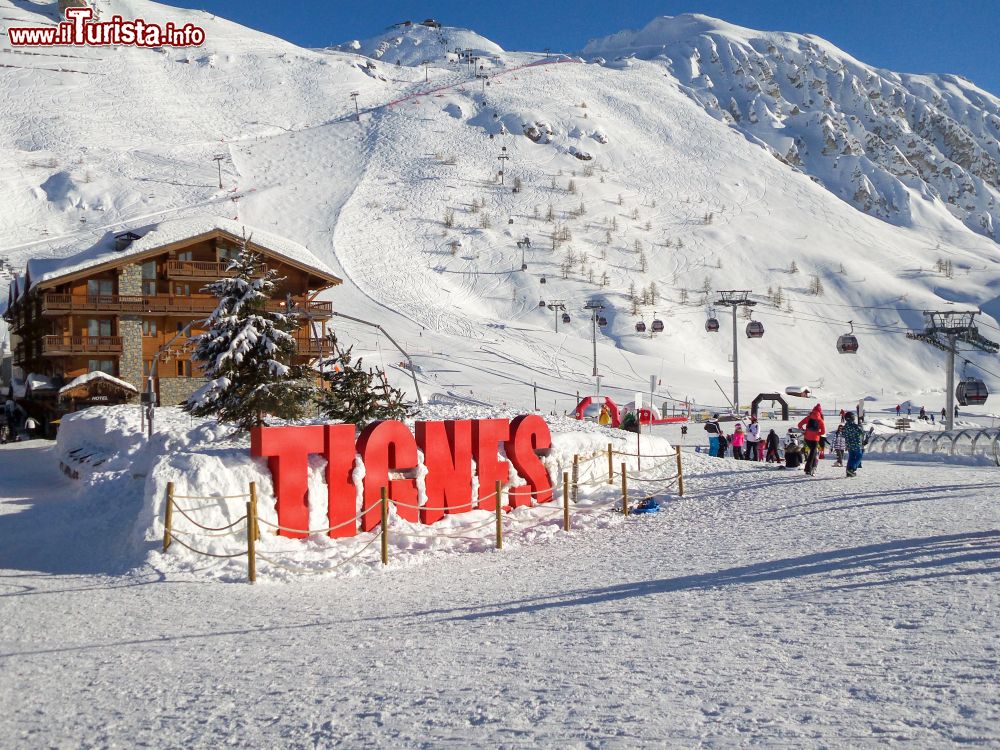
(571, 482)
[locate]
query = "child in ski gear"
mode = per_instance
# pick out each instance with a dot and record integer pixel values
(793, 456)
(772, 447)
(840, 443)
(739, 440)
(854, 437)
(723, 445)
(814, 428)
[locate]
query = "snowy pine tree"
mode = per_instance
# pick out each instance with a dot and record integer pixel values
(246, 352)
(356, 395)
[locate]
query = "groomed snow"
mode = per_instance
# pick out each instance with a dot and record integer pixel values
(762, 609)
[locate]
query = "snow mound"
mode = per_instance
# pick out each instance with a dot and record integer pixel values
(415, 43)
(211, 468)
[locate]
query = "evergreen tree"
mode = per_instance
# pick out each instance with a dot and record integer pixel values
(353, 394)
(246, 353)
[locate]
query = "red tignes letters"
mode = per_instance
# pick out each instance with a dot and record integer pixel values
(389, 448)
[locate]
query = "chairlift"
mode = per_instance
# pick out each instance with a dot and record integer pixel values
(602, 321)
(640, 327)
(712, 325)
(565, 318)
(657, 326)
(755, 329)
(971, 392)
(848, 343)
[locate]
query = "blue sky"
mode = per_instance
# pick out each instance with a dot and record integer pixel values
(910, 36)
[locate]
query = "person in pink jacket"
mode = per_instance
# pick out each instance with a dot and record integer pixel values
(813, 428)
(739, 440)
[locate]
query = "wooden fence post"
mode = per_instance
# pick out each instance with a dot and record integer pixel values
(251, 541)
(611, 465)
(499, 541)
(253, 499)
(566, 500)
(576, 478)
(168, 520)
(385, 526)
(624, 490)
(680, 474)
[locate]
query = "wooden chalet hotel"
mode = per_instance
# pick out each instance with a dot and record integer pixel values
(122, 308)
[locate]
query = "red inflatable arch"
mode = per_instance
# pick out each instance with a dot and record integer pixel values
(598, 400)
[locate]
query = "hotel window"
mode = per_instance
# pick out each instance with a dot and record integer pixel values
(183, 368)
(185, 257)
(99, 327)
(149, 278)
(182, 290)
(100, 287)
(149, 328)
(101, 365)
(147, 368)
(227, 252)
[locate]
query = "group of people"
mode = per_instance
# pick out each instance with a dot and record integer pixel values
(747, 443)
(923, 413)
(15, 424)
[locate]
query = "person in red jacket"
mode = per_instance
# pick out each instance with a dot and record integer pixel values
(813, 428)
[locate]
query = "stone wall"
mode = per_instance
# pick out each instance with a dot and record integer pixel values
(130, 280)
(130, 361)
(174, 391)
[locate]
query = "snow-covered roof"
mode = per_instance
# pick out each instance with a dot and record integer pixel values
(96, 375)
(41, 270)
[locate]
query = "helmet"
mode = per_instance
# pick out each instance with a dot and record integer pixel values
(715, 416)
(849, 416)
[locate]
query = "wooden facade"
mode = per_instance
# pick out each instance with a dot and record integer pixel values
(124, 317)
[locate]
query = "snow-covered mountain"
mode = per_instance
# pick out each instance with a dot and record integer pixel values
(876, 138)
(649, 163)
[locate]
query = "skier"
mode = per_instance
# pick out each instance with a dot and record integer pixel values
(814, 428)
(853, 436)
(753, 441)
(739, 440)
(898, 409)
(842, 414)
(713, 430)
(944, 414)
(772, 447)
(840, 443)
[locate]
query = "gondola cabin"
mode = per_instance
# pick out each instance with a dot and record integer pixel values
(712, 325)
(541, 280)
(657, 326)
(972, 392)
(565, 318)
(541, 303)
(602, 321)
(640, 327)
(847, 344)
(755, 329)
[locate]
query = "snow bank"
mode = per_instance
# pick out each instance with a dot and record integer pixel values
(211, 468)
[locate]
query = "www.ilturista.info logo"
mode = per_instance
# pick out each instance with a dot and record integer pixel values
(79, 30)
